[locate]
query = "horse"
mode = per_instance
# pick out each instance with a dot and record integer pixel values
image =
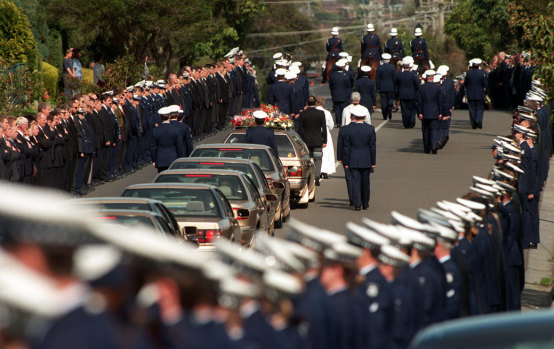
(373, 63)
(328, 68)
(422, 65)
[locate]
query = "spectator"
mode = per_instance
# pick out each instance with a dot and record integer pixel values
(68, 73)
(98, 70)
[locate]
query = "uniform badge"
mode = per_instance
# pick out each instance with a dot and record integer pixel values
(421, 280)
(449, 277)
(372, 290)
(450, 293)
(373, 307)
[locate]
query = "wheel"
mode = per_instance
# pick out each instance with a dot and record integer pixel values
(279, 223)
(304, 206)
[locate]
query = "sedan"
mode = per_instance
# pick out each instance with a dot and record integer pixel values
(201, 210)
(238, 188)
(242, 165)
(135, 204)
(133, 218)
(262, 156)
(295, 156)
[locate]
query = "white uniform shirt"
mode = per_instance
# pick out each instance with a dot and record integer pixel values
(347, 111)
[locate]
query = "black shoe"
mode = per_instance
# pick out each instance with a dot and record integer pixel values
(357, 208)
(480, 125)
(317, 182)
(533, 245)
(434, 151)
(365, 207)
(325, 175)
(350, 204)
(390, 117)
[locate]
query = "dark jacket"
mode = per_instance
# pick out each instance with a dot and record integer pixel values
(366, 87)
(261, 135)
(280, 94)
(312, 127)
(167, 145)
(356, 145)
(340, 83)
(407, 84)
(385, 78)
(476, 84)
(430, 100)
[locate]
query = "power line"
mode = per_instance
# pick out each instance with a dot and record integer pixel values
(303, 31)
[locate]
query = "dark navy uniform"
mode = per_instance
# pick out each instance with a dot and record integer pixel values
(395, 48)
(260, 333)
(167, 145)
(371, 46)
(432, 297)
(429, 106)
(449, 92)
(271, 77)
(385, 86)
(356, 149)
(476, 86)
(513, 255)
(407, 85)
(340, 83)
(529, 184)
(261, 135)
(405, 312)
(333, 47)
(366, 87)
(186, 136)
(349, 324)
(453, 288)
(280, 94)
(419, 50)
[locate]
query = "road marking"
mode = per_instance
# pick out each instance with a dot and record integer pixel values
(376, 130)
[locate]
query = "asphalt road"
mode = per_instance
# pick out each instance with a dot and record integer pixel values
(405, 178)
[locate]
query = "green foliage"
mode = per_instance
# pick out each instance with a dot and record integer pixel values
(122, 72)
(16, 87)
(50, 78)
(479, 27)
(37, 17)
(55, 48)
(537, 27)
(16, 38)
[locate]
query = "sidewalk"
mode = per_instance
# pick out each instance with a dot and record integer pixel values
(539, 275)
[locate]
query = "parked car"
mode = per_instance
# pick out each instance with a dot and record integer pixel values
(140, 204)
(262, 156)
(133, 218)
(238, 188)
(295, 157)
(246, 166)
(511, 330)
(201, 210)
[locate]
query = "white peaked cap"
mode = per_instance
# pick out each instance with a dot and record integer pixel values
(418, 32)
(370, 27)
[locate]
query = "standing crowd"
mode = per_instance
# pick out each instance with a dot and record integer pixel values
(96, 138)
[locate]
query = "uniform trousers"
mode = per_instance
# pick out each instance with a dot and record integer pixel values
(338, 107)
(408, 108)
(430, 129)
(316, 153)
(529, 221)
(80, 174)
(476, 110)
(387, 103)
(360, 186)
(445, 129)
(348, 178)
(130, 155)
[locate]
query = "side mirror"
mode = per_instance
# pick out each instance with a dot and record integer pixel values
(278, 185)
(271, 197)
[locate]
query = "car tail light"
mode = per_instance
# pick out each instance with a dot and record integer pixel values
(294, 171)
(207, 236)
(241, 213)
(106, 217)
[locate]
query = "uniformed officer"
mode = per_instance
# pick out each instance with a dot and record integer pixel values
(385, 85)
(261, 134)
(280, 93)
(167, 142)
(394, 46)
(449, 91)
(340, 83)
(334, 44)
(186, 136)
(407, 85)
(356, 150)
(476, 86)
(419, 48)
(366, 87)
(374, 290)
(371, 44)
(271, 78)
(429, 108)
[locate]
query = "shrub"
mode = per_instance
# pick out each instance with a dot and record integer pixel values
(16, 38)
(50, 77)
(87, 76)
(17, 86)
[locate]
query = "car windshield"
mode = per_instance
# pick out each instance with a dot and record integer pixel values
(181, 202)
(257, 156)
(230, 186)
(130, 221)
(244, 168)
(284, 146)
(124, 206)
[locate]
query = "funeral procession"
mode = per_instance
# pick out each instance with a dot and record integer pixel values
(276, 174)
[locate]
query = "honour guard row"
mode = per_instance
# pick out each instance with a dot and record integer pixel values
(70, 281)
(97, 138)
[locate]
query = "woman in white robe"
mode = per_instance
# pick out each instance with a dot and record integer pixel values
(328, 159)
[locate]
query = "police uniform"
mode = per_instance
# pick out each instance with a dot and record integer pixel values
(280, 94)
(371, 44)
(394, 47)
(449, 92)
(333, 47)
(407, 85)
(340, 83)
(385, 85)
(167, 145)
(476, 86)
(419, 48)
(366, 87)
(429, 107)
(261, 134)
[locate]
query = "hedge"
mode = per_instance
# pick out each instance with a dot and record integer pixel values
(50, 77)
(88, 76)
(17, 42)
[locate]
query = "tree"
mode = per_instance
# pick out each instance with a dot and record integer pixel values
(16, 38)
(480, 27)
